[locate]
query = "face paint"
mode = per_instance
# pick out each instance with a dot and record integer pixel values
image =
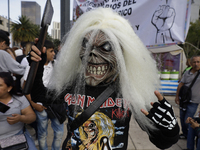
(98, 55)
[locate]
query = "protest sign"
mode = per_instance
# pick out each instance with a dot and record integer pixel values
(156, 22)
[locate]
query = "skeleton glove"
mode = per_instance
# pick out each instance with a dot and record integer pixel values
(162, 115)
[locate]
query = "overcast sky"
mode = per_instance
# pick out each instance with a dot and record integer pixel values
(15, 9)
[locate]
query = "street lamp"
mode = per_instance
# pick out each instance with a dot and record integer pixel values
(9, 16)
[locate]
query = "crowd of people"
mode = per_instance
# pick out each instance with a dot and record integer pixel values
(188, 125)
(97, 53)
(14, 68)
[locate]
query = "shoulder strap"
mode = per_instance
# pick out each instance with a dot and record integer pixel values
(194, 80)
(85, 115)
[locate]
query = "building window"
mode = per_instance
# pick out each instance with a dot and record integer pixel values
(1, 22)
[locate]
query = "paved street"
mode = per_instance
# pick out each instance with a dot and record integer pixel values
(138, 139)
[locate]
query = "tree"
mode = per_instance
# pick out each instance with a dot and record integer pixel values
(24, 30)
(56, 43)
(192, 42)
(48, 37)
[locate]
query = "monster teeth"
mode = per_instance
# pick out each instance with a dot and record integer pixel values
(103, 68)
(100, 70)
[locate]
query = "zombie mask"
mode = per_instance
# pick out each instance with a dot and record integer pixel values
(98, 58)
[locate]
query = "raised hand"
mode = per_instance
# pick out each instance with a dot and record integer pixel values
(161, 113)
(163, 18)
(35, 53)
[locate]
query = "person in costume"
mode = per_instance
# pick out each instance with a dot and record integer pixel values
(102, 50)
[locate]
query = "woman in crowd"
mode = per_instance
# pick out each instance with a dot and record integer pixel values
(20, 112)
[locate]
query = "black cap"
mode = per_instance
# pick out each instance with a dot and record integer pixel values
(4, 35)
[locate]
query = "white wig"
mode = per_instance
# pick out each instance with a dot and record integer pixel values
(138, 78)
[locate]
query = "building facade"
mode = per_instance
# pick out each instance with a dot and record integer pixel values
(4, 23)
(32, 10)
(4, 26)
(55, 32)
(195, 11)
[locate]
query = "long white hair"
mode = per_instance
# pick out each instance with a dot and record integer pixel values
(138, 78)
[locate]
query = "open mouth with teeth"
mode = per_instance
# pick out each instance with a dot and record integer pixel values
(96, 70)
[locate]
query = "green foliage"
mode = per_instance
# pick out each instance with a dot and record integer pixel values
(48, 37)
(56, 43)
(192, 43)
(24, 30)
(193, 36)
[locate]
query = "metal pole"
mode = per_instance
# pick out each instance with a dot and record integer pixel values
(192, 46)
(9, 16)
(64, 17)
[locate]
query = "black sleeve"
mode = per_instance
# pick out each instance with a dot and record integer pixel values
(163, 117)
(39, 91)
(164, 139)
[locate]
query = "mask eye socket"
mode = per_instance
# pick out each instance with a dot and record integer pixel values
(106, 47)
(84, 43)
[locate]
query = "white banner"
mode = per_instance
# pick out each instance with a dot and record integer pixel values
(156, 22)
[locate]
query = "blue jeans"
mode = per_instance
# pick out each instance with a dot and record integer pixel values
(42, 121)
(191, 139)
(198, 144)
(191, 110)
(29, 139)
